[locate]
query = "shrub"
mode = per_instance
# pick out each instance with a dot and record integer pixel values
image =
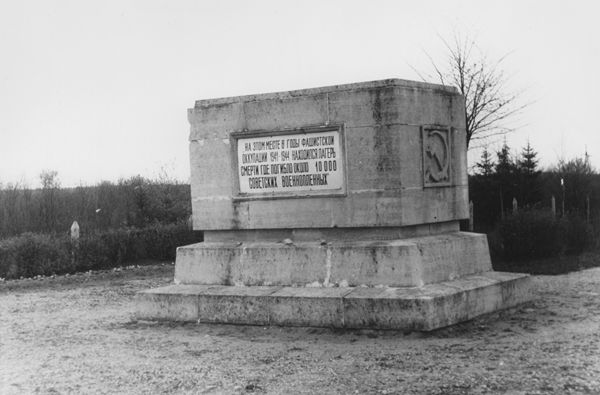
(530, 234)
(535, 234)
(33, 254)
(161, 241)
(579, 235)
(92, 252)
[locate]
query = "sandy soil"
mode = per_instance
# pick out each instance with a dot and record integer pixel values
(76, 335)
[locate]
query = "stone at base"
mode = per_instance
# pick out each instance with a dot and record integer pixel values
(408, 308)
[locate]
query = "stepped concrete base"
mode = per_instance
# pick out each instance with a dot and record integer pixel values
(405, 308)
(409, 262)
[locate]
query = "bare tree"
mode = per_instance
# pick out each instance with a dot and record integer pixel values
(50, 185)
(488, 102)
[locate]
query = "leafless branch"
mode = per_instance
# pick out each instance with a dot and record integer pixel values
(483, 83)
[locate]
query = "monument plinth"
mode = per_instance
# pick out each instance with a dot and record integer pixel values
(335, 206)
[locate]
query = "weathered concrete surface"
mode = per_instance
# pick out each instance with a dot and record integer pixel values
(330, 234)
(396, 263)
(234, 305)
(381, 122)
(378, 247)
(435, 305)
(419, 308)
(307, 306)
(177, 304)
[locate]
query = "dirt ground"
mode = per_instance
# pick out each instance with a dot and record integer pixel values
(76, 334)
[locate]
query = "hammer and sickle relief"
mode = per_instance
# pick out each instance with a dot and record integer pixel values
(436, 156)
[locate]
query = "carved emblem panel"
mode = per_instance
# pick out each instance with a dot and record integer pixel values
(437, 155)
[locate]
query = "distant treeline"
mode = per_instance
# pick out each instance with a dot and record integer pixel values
(138, 202)
(574, 184)
(135, 202)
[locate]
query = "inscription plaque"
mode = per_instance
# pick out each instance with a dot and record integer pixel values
(295, 164)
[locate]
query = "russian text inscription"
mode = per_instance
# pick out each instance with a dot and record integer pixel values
(283, 163)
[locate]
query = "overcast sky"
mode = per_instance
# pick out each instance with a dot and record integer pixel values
(99, 90)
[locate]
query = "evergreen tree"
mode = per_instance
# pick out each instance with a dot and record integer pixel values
(485, 167)
(505, 165)
(483, 192)
(528, 162)
(529, 191)
(505, 173)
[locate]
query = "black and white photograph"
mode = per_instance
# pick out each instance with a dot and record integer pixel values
(285, 197)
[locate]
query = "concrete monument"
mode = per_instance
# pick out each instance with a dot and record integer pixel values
(336, 207)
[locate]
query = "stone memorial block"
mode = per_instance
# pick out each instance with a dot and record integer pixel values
(335, 206)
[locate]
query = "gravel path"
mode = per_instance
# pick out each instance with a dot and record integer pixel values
(76, 335)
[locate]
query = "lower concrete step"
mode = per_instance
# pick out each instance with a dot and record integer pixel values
(417, 308)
